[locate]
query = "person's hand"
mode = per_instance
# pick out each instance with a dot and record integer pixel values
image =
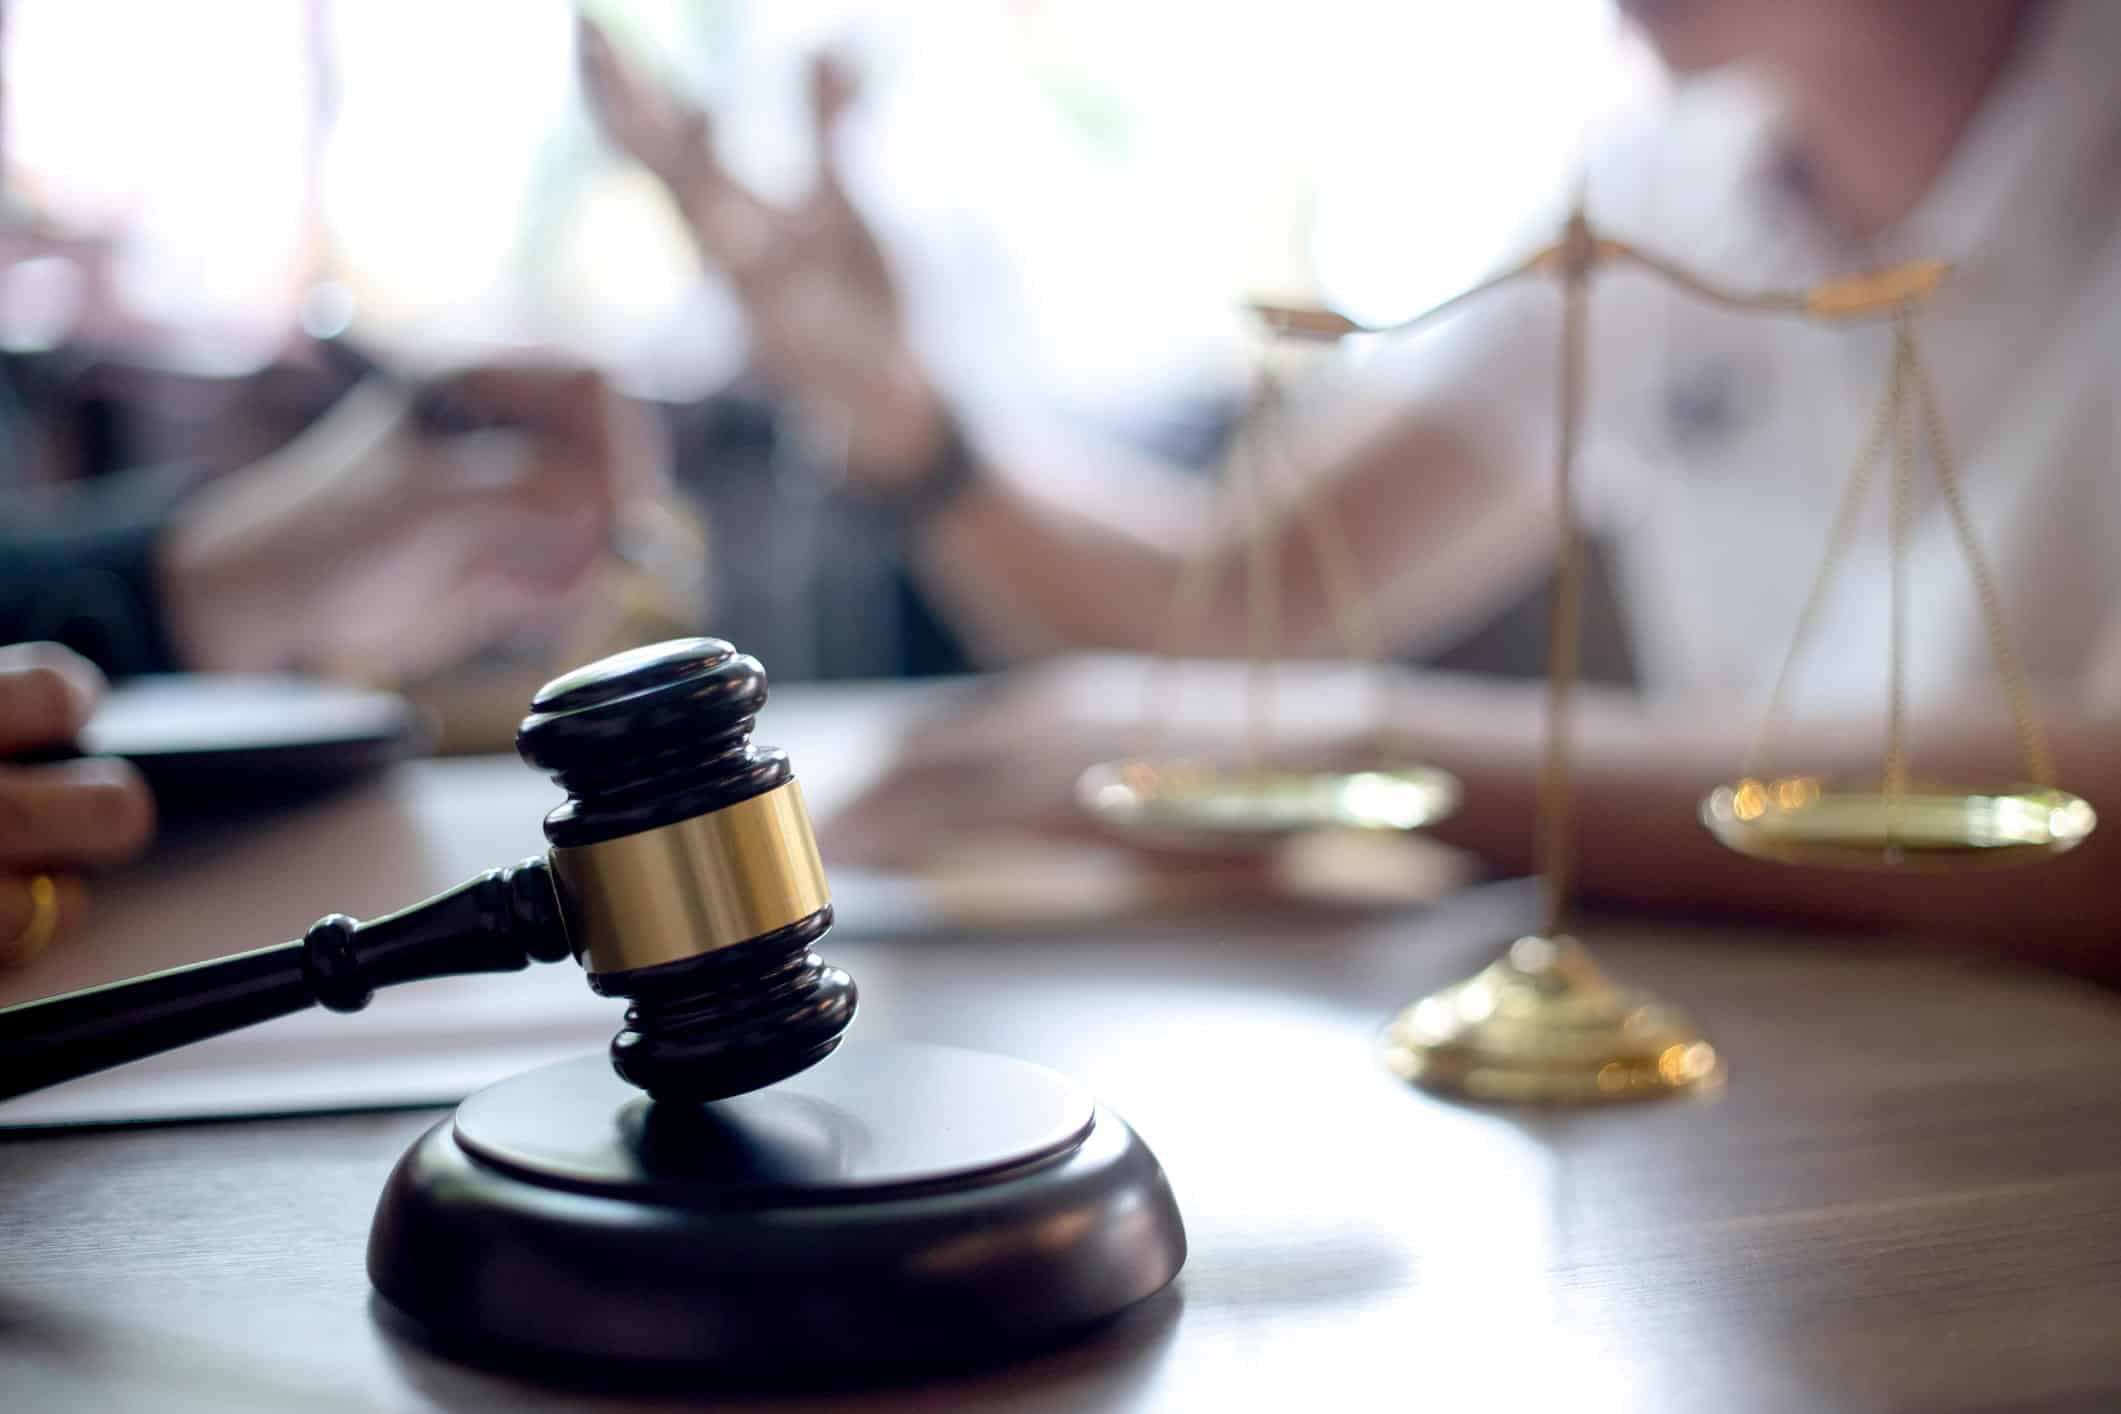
(998, 760)
(822, 306)
(1003, 758)
(980, 799)
(369, 545)
(56, 819)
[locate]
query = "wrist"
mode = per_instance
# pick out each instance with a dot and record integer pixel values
(924, 491)
(898, 438)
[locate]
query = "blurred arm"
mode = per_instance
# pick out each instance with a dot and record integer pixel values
(1049, 550)
(1005, 761)
(1641, 772)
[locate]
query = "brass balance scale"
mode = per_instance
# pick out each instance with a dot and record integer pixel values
(1542, 1023)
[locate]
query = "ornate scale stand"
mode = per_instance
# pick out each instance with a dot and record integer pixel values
(1543, 1023)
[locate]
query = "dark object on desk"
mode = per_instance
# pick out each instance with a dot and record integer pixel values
(899, 1204)
(683, 876)
(207, 744)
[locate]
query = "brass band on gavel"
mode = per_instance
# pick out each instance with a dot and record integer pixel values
(693, 886)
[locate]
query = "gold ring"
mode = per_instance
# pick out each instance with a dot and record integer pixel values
(43, 919)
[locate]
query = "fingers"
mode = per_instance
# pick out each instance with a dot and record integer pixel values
(545, 396)
(35, 912)
(624, 439)
(733, 229)
(635, 111)
(832, 92)
(588, 448)
(453, 620)
(76, 812)
(674, 140)
(534, 556)
(46, 695)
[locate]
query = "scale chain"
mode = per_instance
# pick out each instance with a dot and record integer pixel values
(1555, 840)
(1900, 515)
(1248, 484)
(1854, 493)
(2032, 743)
(1339, 573)
(1262, 610)
(1192, 596)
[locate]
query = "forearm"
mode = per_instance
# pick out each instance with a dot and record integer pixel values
(1640, 773)
(1040, 553)
(1053, 547)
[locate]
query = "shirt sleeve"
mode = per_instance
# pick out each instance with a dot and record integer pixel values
(88, 580)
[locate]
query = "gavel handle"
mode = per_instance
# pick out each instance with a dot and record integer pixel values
(497, 922)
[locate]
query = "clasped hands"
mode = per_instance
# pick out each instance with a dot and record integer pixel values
(370, 545)
(366, 544)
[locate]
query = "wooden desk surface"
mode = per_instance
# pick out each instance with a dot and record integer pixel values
(1909, 1196)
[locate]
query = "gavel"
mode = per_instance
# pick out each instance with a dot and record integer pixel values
(683, 876)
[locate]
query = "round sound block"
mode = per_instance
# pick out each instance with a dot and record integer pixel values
(894, 1204)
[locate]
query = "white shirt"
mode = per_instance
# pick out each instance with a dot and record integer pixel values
(1718, 443)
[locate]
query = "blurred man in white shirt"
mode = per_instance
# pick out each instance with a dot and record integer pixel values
(1808, 138)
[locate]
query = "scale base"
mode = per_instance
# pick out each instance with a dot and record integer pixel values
(1543, 1025)
(895, 1205)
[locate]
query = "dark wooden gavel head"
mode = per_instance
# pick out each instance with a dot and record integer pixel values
(687, 876)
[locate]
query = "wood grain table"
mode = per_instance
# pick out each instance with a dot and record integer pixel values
(1908, 1196)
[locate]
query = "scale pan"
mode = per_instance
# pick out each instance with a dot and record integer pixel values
(1801, 820)
(1175, 801)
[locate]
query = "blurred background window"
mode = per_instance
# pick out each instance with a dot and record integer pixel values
(432, 155)
(1075, 195)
